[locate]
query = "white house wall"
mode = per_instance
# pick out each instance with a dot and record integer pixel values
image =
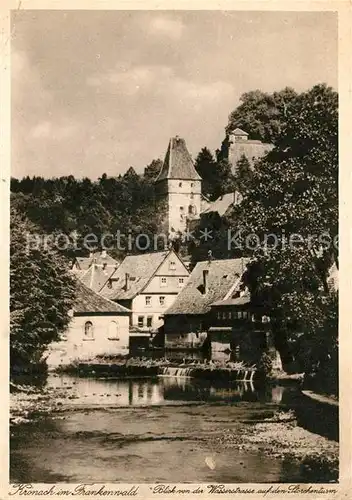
(106, 340)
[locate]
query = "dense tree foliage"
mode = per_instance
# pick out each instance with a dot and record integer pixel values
(79, 207)
(262, 115)
(42, 292)
(217, 178)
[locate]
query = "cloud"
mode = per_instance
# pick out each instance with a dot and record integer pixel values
(46, 130)
(130, 80)
(165, 26)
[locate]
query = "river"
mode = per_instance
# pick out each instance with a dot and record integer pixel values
(149, 430)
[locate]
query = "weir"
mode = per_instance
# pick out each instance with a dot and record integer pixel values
(177, 371)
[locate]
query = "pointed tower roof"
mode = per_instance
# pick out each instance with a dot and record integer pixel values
(178, 163)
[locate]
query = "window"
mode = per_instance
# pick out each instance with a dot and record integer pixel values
(182, 209)
(192, 184)
(224, 315)
(192, 210)
(172, 265)
(149, 321)
(163, 281)
(230, 315)
(181, 281)
(113, 331)
(239, 314)
(192, 196)
(140, 321)
(162, 300)
(180, 184)
(219, 315)
(244, 315)
(88, 330)
(148, 300)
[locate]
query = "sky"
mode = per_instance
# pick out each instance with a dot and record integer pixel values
(95, 92)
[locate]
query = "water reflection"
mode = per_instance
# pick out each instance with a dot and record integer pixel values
(160, 391)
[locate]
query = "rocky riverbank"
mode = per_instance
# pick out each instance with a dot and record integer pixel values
(280, 436)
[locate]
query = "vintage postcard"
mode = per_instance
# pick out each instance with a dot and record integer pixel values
(175, 181)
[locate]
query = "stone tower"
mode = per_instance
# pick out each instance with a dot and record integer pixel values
(178, 187)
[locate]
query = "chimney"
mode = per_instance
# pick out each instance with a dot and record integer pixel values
(210, 255)
(205, 280)
(127, 281)
(103, 254)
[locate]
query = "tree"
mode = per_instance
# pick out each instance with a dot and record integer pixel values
(206, 167)
(216, 176)
(152, 170)
(42, 292)
(291, 211)
(262, 115)
(243, 175)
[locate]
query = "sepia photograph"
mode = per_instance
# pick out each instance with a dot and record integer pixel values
(174, 250)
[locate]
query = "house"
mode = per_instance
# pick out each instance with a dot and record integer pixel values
(240, 145)
(94, 270)
(238, 326)
(98, 327)
(188, 318)
(148, 284)
(178, 188)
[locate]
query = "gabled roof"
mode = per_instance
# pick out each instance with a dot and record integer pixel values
(222, 204)
(178, 163)
(88, 301)
(239, 131)
(96, 276)
(98, 258)
(222, 276)
(140, 268)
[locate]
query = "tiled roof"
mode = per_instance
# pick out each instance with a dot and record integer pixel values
(237, 301)
(140, 269)
(222, 276)
(96, 276)
(222, 204)
(239, 131)
(178, 163)
(97, 258)
(88, 301)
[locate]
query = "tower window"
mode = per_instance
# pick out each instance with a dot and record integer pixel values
(192, 210)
